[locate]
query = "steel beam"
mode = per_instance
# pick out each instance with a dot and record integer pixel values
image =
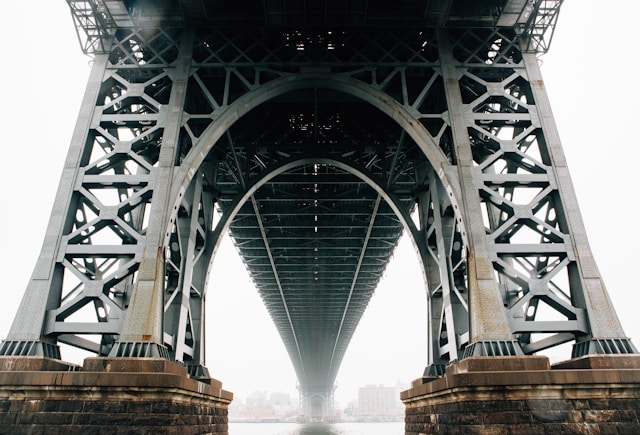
(313, 148)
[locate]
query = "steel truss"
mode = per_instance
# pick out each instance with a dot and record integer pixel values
(185, 134)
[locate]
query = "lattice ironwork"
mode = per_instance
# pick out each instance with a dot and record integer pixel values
(530, 242)
(313, 147)
(97, 20)
(94, 23)
(542, 16)
(524, 204)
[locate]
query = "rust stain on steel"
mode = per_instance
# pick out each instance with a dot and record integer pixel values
(156, 296)
(151, 325)
(474, 300)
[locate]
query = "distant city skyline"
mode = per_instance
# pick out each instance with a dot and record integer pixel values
(400, 295)
(594, 99)
(373, 403)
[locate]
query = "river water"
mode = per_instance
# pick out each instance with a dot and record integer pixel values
(393, 428)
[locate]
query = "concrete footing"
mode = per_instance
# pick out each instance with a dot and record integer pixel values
(526, 395)
(108, 396)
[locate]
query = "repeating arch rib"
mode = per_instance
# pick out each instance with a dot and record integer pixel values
(274, 268)
(356, 274)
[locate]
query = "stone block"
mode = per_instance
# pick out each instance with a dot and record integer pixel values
(527, 398)
(549, 416)
(52, 418)
(112, 396)
(608, 429)
(499, 364)
(458, 419)
(105, 406)
(510, 418)
(133, 365)
(600, 362)
(34, 364)
(628, 429)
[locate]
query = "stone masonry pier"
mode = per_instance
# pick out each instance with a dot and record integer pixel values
(526, 395)
(108, 396)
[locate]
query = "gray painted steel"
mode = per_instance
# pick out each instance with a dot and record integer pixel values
(312, 136)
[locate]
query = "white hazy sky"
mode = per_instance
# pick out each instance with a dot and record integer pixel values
(592, 84)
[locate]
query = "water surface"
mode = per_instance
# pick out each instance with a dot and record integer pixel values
(393, 428)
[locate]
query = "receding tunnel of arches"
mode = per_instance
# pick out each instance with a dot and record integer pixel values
(315, 187)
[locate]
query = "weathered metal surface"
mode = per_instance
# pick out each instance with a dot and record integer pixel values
(313, 147)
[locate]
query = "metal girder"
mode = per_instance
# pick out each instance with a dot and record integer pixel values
(94, 23)
(530, 234)
(187, 262)
(445, 265)
(97, 20)
(541, 18)
(313, 148)
(311, 275)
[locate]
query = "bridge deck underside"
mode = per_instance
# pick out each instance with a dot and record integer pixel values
(324, 12)
(316, 238)
(289, 177)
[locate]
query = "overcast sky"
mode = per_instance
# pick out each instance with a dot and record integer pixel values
(592, 84)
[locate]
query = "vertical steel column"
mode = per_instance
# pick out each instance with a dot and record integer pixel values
(531, 274)
(432, 271)
(26, 336)
(606, 335)
(444, 259)
(142, 332)
(489, 329)
(189, 252)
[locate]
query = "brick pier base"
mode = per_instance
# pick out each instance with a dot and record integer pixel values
(108, 396)
(525, 395)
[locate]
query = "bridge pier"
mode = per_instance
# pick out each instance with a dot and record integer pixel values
(527, 395)
(317, 406)
(108, 395)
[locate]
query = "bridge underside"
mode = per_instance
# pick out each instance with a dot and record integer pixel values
(96, 20)
(315, 237)
(315, 132)
(356, 13)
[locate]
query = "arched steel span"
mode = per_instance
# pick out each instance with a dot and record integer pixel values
(159, 143)
(394, 203)
(289, 327)
(291, 83)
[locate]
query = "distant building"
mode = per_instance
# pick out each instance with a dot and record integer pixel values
(281, 403)
(260, 406)
(257, 399)
(377, 402)
(351, 411)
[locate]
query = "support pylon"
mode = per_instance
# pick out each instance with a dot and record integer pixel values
(510, 271)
